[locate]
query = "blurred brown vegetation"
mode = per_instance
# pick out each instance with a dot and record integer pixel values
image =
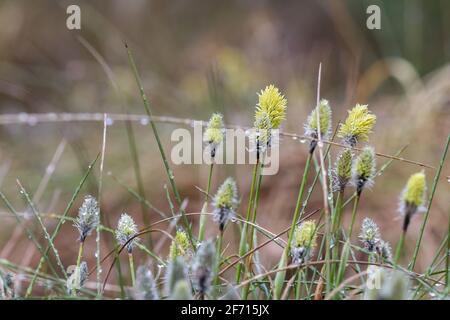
(196, 57)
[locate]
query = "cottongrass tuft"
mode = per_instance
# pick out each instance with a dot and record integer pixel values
(77, 277)
(203, 266)
(412, 199)
(304, 242)
(145, 287)
(176, 271)
(180, 246)
(357, 126)
(126, 230)
(273, 104)
(214, 133)
(311, 125)
(363, 169)
(88, 217)
(343, 170)
(384, 250)
(370, 234)
(6, 286)
(225, 202)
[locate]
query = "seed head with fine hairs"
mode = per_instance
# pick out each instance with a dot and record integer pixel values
(88, 217)
(343, 170)
(180, 246)
(370, 234)
(225, 202)
(412, 199)
(145, 287)
(214, 133)
(357, 126)
(384, 250)
(126, 230)
(364, 169)
(176, 271)
(312, 125)
(270, 112)
(304, 242)
(203, 266)
(272, 103)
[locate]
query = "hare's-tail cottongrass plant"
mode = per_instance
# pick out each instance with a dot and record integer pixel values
(357, 126)
(87, 220)
(6, 286)
(304, 242)
(126, 236)
(412, 201)
(312, 125)
(320, 117)
(77, 277)
(213, 137)
(225, 203)
(180, 247)
(214, 133)
(145, 287)
(203, 268)
(269, 114)
(370, 235)
(176, 271)
(363, 173)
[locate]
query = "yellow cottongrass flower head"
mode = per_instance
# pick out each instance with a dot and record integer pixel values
(180, 246)
(357, 126)
(311, 125)
(304, 241)
(364, 169)
(225, 202)
(412, 198)
(214, 132)
(343, 170)
(272, 103)
(126, 230)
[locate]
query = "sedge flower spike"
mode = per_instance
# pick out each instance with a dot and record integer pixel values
(272, 103)
(370, 235)
(126, 232)
(304, 242)
(145, 287)
(357, 126)
(225, 202)
(88, 217)
(343, 170)
(412, 199)
(312, 125)
(176, 271)
(384, 250)
(214, 133)
(363, 169)
(180, 246)
(203, 266)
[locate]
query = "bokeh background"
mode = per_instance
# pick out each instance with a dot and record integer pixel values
(197, 57)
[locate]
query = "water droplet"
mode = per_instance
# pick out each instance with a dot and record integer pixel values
(109, 121)
(31, 120)
(294, 138)
(23, 117)
(302, 140)
(320, 144)
(144, 121)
